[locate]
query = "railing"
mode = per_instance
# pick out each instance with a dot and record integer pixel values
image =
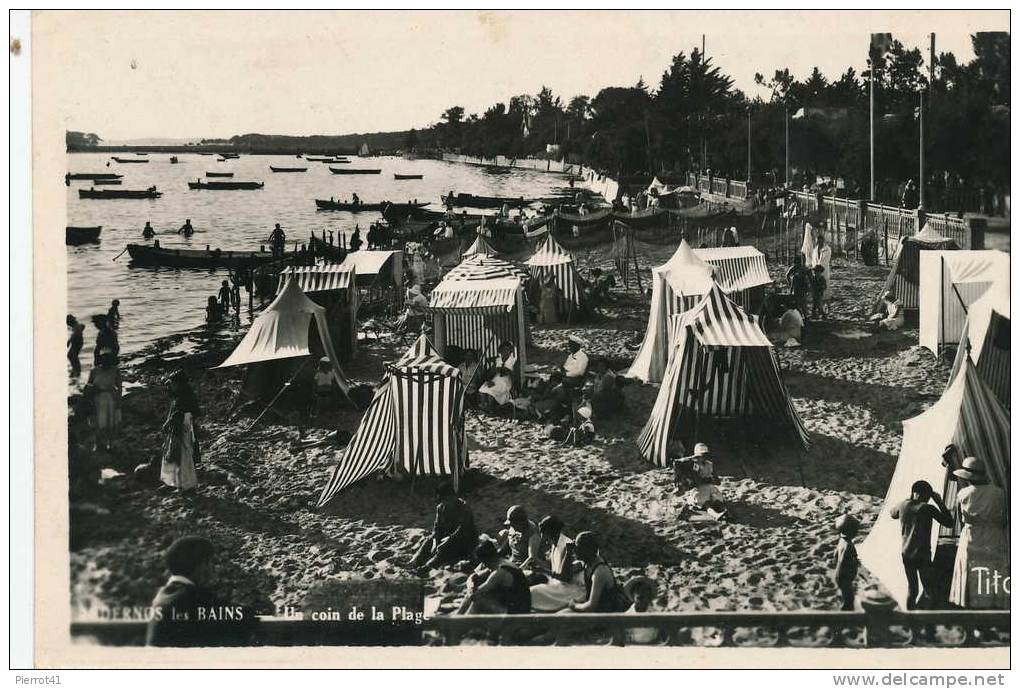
(719, 186)
(881, 626)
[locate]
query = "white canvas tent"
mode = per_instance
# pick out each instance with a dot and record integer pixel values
(414, 426)
(677, 285)
(281, 332)
(986, 339)
(721, 364)
(949, 283)
(968, 416)
(741, 272)
(376, 268)
(479, 246)
(334, 288)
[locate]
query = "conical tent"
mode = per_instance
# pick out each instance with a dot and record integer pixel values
(281, 332)
(480, 304)
(479, 246)
(968, 416)
(721, 364)
(415, 424)
(334, 287)
(904, 277)
(985, 337)
(552, 260)
(677, 285)
(950, 282)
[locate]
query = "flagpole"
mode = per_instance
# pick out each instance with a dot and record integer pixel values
(871, 125)
(748, 146)
(920, 183)
(786, 117)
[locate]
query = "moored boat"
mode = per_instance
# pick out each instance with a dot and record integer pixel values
(396, 208)
(173, 160)
(287, 169)
(225, 186)
(151, 255)
(82, 235)
(396, 176)
(106, 182)
(230, 156)
(355, 171)
(474, 201)
(130, 160)
(150, 193)
(219, 174)
(92, 175)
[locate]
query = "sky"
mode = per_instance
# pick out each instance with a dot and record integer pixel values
(131, 75)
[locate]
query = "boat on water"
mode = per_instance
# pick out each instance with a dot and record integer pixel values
(395, 208)
(82, 235)
(355, 171)
(396, 176)
(106, 182)
(173, 160)
(129, 160)
(219, 174)
(320, 159)
(225, 186)
(149, 193)
(230, 156)
(474, 201)
(91, 175)
(287, 169)
(152, 255)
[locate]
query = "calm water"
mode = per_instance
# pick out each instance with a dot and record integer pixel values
(160, 302)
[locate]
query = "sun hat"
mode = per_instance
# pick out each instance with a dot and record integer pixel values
(973, 469)
(700, 449)
(576, 340)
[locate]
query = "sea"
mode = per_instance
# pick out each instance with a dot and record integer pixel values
(158, 302)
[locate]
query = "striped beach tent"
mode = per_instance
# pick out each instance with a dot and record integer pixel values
(904, 277)
(949, 283)
(479, 246)
(677, 286)
(985, 338)
(968, 416)
(552, 260)
(478, 305)
(414, 426)
(741, 272)
(721, 364)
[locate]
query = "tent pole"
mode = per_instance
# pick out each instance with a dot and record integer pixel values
(278, 394)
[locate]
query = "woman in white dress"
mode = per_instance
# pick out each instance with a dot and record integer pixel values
(495, 391)
(982, 556)
(180, 446)
(563, 584)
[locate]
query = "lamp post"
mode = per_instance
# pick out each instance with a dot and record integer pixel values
(749, 146)
(786, 118)
(920, 145)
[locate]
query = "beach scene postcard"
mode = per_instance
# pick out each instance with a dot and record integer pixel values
(521, 339)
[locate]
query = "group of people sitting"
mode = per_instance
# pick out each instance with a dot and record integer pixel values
(528, 566)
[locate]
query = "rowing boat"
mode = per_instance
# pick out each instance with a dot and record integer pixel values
(219, 174)
(396, 176)
(473, 201)
(119, 193)
(287, 169)
(395, 208)
(230, 156)
(146, 255)
(106, 182)
(92, 175)
(354, 171)
(130, 160)
(225, 186)
(82, 235)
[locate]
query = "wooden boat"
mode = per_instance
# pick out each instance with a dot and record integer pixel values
(146, 255)
(92, 175)
(225, 186)
(319, 159)
(219, 174)
(129, 160)
(106, 182)
(287, 169)
(396, 176)
(201, 153)
(354, 171)
(119, 193)
(230, 156)
(82, 235)
(474, 201)
(395, 208)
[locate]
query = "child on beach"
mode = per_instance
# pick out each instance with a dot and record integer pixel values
(818, 287)
(845, 562)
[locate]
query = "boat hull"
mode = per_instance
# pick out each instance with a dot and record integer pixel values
(354, 171)
(82, 235)
(392, 208)
(226, 186)
(288, 169)
(117, 194)
(151, 256)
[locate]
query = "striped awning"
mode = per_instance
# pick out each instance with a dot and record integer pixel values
(737, 267)
(717, 321)
(480, 296)
(327, 278)
(550, 253)
(552, 260)
(423, 356)
(482, 267)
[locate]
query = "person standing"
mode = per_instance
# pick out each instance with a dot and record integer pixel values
(818, 286)
(147, 231)
(180, 446)
(916, 516)
(278, 240)
(186, 229)
(821, 255)
(982, 557)
(106, 337)
(846, 563)
(799, 278)
(104, 388)
(548, 311)
(224, 296)
(74, 344)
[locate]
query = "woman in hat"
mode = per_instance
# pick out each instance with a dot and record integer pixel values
(982, 557)
(602, 592)
(564, 581)
(520, 540)
(104, 387)
(180, 445)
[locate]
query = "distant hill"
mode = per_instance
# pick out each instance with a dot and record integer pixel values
(260, 143)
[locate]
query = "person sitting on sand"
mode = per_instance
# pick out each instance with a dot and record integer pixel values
(469, 374)
(454, 534)
(606, 397)
(520, 541)
(575, 367)
(888, 313)
(916, 516)
(602, 593)
(416, 309)
(189, 611)
(707, 495)
(845, 560)
(501, 589)
(791, 327)
(496, 390)
(559, 581)
(181, 449)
